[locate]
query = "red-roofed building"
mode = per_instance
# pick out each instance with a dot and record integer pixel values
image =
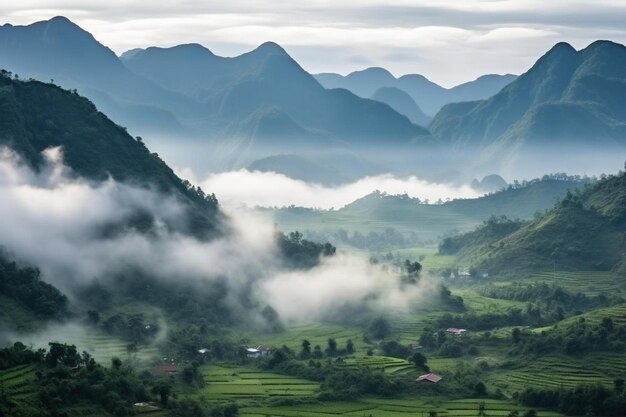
(434, 378)
(165, 369)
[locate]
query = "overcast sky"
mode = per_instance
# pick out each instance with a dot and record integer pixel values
(448, 41)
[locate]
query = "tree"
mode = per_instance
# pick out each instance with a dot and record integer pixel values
(380, 328)
(332, 347)
(480, 389)
(618, 385)
(419, 360)
(306, 349)
(530, 413)
(163, 388)
(349, 346)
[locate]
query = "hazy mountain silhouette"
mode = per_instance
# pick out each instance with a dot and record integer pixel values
(568, 98)
(239, 91)
(430, 97)
(60, 50)
(401, 102)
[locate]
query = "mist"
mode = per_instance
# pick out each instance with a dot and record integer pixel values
(269, 189)
(54, 221)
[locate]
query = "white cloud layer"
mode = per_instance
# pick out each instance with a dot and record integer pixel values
(55, 222)
(269, 189)
(431, 37)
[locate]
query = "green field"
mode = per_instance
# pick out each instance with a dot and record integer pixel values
(101, 346)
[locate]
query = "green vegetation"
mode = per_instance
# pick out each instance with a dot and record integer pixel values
(583, 232)
(380, 223)
(23, 288)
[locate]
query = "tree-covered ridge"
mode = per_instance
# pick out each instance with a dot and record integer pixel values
(24, 286)
(35, 116)
(585, 230)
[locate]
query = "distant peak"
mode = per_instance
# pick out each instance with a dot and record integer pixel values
(604, 44)
(377, 71)
(62, 21)
(270, 48)
(562, 47)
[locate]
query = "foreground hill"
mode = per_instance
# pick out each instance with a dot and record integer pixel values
(429, 96)
(585, 231)
(36, 116)
(569, 99)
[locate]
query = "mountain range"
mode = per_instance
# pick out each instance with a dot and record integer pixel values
(262, 95)
(263, 103)
(428, 96)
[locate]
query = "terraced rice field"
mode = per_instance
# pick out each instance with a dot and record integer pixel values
(101, 346)
(17, 384)
(557, 372)
(590, 283)
(316, 333)
(237, 383)
(397, 407)
(393, 366)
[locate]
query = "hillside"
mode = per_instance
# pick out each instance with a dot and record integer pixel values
(585, 231)
(401, 102)
(420, 221)
(429, 96)
(35, 116)
(567, 99)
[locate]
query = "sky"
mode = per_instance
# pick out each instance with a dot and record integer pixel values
(448, 41)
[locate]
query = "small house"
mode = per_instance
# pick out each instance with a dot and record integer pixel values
(264, 350)
(415, 346)
(432, 378)
(167, 369)
(253, 353)
(456, 331)
(204, 351)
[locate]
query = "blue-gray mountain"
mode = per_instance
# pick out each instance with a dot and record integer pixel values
(568, 99)
(429, 97)
(258, 96)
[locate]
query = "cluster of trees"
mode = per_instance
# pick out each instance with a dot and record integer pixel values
(573, 338)
(492, 229)
(67, 378)
(302, 253)
(25, 286)
(555, 301)
(447, 345)
(584, 400)
(332, 350)
(133, 327)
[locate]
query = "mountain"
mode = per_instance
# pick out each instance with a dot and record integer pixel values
(60, 50)
(36, 116)
(264, 94)
(585, 231)
(402, 103)
(567, 99)
(429, 96)
(242, 103)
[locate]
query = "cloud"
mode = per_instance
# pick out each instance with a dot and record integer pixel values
(269, 189)
(76, 231)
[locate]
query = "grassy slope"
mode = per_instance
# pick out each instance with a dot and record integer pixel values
(430, 221)
(584, 232)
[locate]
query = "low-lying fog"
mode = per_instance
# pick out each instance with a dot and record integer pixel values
(269, 189)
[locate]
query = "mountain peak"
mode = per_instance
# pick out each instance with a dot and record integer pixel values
(561, 48)
(270, 48)
(62, 22)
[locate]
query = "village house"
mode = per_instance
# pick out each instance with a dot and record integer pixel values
(261, 350)
(456, 331)
(167, 369)
(433, 378)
